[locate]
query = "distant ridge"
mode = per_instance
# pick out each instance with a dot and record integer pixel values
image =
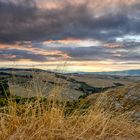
(118, 73)
(134, 72)
(20, 69)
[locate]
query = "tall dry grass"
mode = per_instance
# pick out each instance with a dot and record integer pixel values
(41, 120)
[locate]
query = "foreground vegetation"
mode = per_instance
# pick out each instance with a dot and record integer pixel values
(51, 118)
(38, 120)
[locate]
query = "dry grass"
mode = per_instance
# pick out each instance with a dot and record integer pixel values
(38, 121)
(35, 121)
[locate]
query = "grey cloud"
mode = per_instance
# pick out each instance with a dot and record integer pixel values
(129, 52)
(130, 45)
(86, 53)
(24, 21)
(22, 54)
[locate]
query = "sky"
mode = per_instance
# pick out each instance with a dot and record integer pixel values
(75, 35)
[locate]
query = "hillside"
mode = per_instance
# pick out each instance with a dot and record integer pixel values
(119, 73)
(73, 86)
(122, 99)
(40, 105)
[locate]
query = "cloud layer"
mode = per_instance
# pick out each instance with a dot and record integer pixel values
(51, 30)
(24, 20)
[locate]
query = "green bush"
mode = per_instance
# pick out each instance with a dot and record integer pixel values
(3, 101)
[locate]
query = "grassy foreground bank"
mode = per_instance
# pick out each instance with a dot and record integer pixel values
(53, 121)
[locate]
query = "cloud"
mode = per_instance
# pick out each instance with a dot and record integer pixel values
(83, 30)
(25, 21)
(40, 52)
(125, 51)
(26, 50)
